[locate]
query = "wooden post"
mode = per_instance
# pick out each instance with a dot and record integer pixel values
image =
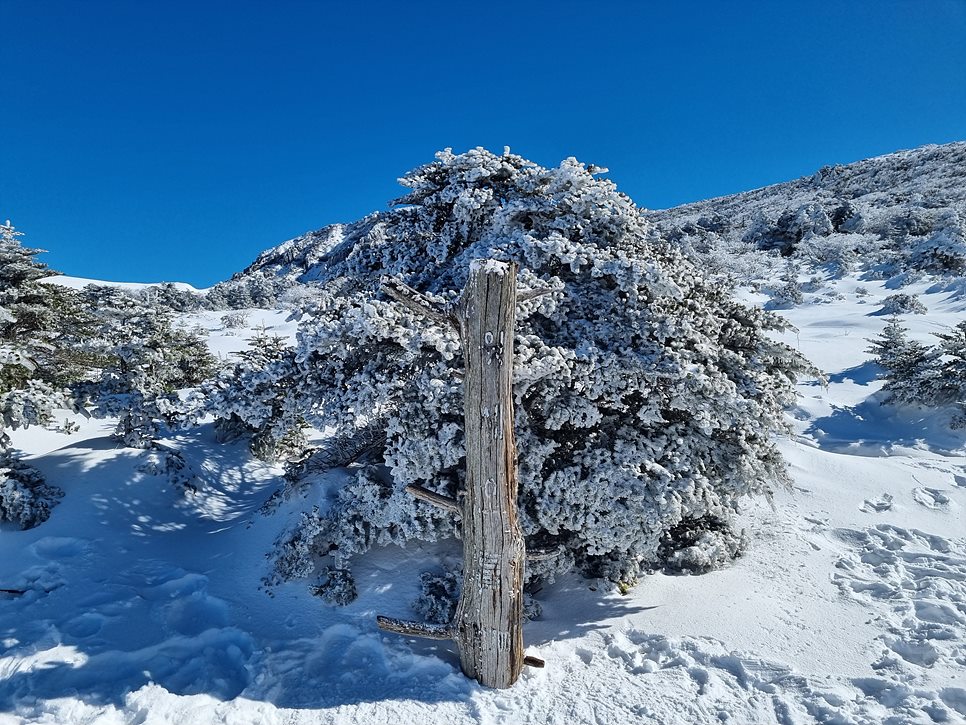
(489, 617)
(488, 627)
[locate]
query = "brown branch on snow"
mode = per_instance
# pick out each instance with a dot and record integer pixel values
(437, 499)
(415, 629)
(434, 631)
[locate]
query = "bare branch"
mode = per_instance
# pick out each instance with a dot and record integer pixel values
(542, 554)
(417, 302)
(415, 629)
(340, 450)
(532, 661)
(532, 294)
(437, 499)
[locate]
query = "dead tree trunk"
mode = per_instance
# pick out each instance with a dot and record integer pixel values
(488, 627)
(489, 617)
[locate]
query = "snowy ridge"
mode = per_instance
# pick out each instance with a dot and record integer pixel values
(882, 190)
(930, 176)
(80, 283)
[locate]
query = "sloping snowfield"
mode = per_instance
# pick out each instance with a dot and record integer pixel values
(146, 606)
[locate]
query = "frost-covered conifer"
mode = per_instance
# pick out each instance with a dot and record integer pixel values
(257, 396)
(789, 292)
(902, 304)
(646, 396)
(912, 371)
(29, 346)
(245, 291)
(944, 250)
(952, 347)
(145, 362)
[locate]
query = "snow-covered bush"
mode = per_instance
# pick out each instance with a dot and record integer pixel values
(793, 226)
(838, 252)
(645, 394)
(337, 586)
(902, 304)
(698, 545)
(34, 363)
(254, 396)
(26, 498)
(234, 320)
(438, 596)
(171, 297)
(944, 250)
(788, 293)
(246, 291)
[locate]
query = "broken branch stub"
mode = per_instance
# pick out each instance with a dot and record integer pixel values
(417, 301)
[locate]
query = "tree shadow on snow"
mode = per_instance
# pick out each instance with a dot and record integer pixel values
(863, 374)
(126, 585)
(873, 429)
(115, 589)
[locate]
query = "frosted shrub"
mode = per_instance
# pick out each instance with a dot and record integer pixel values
(234, 320)
(920, 375)
(145, 362)
(337, 586)
(699, 545)
(902, 304)
(253, 397)
(38, 326)
(944, 250)
(25, 498)
(439, 596)
(788, 293)
(645, 394)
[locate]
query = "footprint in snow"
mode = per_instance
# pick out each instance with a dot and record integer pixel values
(931, 498)
(58, 547)
(916, 583)
(877, 505)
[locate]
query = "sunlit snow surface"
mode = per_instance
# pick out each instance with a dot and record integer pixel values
(146, 606)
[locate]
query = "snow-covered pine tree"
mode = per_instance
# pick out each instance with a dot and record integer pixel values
(646, 395)
(789, 292)
(952, 348)
(28, 341)
(912, 371)
(254, 396)
(145, 361)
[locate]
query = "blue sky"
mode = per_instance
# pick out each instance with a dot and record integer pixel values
(176, 140)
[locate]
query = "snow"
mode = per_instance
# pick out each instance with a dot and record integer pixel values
(143, 605)
(137, 603)
(80, 283)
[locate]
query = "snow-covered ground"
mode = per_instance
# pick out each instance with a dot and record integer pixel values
(146, 606)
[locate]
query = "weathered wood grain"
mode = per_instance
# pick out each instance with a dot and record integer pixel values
(488, 625)
(489, 617)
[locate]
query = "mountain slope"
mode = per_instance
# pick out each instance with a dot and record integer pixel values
(899, 198)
